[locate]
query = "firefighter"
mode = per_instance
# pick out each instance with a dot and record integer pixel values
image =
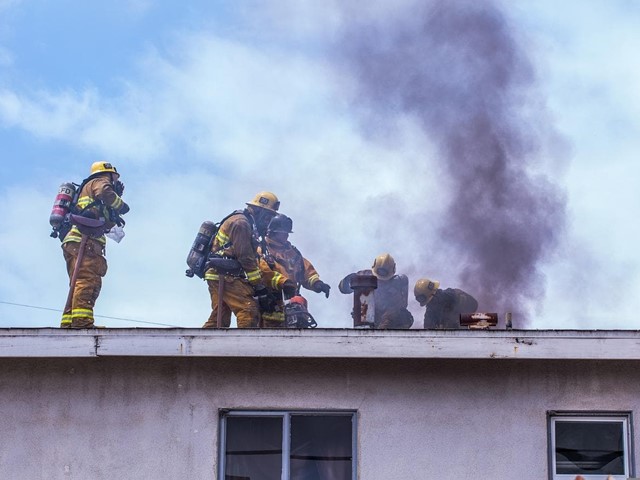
(443, 306)
(290, 269)
(99, 201)
(391, 296)
(243, 288)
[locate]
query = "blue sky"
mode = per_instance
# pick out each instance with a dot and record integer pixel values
(201, 107)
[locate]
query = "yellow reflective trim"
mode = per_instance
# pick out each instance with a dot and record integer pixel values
(313, 279)
(211, 275)
(117, 203)
(275, 280)
(222, 238)
(74, 235)
(84, 201)
(254, 275)
(273, 317)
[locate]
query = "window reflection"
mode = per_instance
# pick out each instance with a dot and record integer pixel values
(321, 447)
(595, 448)
(253, 448)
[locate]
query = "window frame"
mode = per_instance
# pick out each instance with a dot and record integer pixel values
(624, 417)
(286, 433)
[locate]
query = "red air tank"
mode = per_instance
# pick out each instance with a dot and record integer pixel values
(62, 204)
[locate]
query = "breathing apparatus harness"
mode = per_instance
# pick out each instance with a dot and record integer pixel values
(201, 258)
(65, 208)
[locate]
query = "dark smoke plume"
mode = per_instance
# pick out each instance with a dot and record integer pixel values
(456, 68)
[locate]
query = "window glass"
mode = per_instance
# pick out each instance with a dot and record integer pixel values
(253, 448)
(321, 447)
(287, 445)
(595, 448)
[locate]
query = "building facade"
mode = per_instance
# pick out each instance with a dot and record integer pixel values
(318, 404)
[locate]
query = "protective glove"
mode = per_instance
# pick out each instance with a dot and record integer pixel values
(265, 299)
(345, 284)
(260, 291)
(118, 187)
(320, 286)
(289, 288)
(123, 209)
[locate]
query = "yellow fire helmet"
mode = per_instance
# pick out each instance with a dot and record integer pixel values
(266, 200)
(424, 290)
(102, 167)
(384, 266)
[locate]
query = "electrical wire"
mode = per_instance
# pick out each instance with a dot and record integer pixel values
(101, 316)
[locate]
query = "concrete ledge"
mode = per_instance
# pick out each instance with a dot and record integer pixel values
(323, 343)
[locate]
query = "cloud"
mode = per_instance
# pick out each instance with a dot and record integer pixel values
(82, 119)
(234, 120)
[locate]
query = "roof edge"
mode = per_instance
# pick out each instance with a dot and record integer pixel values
(322, 343)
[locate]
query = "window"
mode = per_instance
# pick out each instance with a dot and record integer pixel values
(594, 445)
(256, 445)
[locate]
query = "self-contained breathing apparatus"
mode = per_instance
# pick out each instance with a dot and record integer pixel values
(64, 201)
(199, 253)
(200, 258)
(65, 211)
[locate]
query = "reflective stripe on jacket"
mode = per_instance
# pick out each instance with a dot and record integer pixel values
(97, 189)
(235, 239)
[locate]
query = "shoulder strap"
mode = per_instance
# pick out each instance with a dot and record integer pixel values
(268, 257)
(235, 212)
(219, 224)
(76, 196)
(79, 188)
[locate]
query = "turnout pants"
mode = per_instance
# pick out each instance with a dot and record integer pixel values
(237, 298)
(93, 267)
(274, 319)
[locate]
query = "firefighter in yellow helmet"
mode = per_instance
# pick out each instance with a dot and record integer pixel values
(443, 306)
(99, 204)
(243, 286)
(391, 296)
(290, 269)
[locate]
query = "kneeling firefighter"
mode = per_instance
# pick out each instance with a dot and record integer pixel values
(81, 223)
(290, 272)
(443, 306)
(232, 272)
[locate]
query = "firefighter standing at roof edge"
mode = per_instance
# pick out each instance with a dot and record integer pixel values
(99, 198)
(291, 269)
(391, 295)
(243, 289)
(443, 306)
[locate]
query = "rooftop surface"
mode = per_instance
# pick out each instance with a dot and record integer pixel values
(321, 343)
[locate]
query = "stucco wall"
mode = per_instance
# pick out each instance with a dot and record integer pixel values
(157, 418)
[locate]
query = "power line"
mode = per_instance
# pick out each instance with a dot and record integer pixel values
(101, 316)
